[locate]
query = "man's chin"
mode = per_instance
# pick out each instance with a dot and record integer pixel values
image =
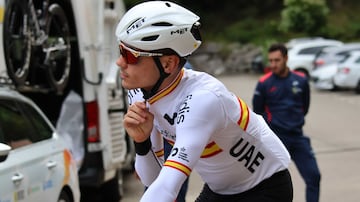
(129, 86)
(125, 85)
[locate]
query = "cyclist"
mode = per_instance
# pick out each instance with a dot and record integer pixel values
(162, 153)
(213, 131)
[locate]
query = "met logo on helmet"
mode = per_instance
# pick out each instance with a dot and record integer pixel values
(179, 31)
(135, 25)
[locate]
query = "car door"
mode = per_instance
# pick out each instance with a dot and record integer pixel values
(49, 155)
(13, 183)
(28, 172)
(354, 74)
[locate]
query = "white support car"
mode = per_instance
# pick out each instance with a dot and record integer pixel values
(52, 49)
(35, 164)
(323, 78)
(348, 74)
(301, 54)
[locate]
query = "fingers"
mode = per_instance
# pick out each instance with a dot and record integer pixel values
(137, 113)
(138, 122)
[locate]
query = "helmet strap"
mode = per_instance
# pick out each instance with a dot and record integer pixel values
(155, 88)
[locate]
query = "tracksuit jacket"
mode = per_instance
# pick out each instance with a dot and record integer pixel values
(283, 102)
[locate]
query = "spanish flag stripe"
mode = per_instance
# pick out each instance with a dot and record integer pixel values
(211, 154)
(210, 150)
(159, 153)
(244, 115)
(181, 167)
(169, 89)
(170, 142)
(211, 144)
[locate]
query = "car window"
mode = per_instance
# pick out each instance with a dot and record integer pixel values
(43, 130)
(19, 128)
(311, 51)
(357, 61)
(322, 54)
(342, 58)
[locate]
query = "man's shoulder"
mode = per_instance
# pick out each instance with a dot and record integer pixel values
(299, 75)
(265, 77)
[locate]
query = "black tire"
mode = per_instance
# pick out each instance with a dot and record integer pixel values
(58, 63)
(109, 192)
(17, 41)
(357, 88)
(64, 197)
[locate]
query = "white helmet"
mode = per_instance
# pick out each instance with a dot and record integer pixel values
(156, 25)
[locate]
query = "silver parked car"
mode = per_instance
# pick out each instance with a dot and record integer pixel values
(334, 54)
(301, 54)
(348, 73)
(323, 78)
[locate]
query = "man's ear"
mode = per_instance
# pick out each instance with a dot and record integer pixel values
(170, 63)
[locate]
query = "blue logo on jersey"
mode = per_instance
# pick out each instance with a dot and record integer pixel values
(171, 120)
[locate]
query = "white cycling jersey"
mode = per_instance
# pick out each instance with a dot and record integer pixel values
(212, 131)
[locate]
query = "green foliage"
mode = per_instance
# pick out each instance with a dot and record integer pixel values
(261, 22)
(304, 16)
(250, 30)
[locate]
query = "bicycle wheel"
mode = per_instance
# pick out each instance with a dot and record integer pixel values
(17, 36)
(57, 48)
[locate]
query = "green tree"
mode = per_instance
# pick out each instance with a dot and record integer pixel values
(308, 16)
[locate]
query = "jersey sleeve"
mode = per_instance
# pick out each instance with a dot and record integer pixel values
(258, 100)
(199, 116)
(148, 166)
(157, 145)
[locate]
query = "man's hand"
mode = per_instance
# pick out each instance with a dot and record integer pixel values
(138, 122)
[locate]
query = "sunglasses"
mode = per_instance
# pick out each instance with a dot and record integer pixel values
(131, 56)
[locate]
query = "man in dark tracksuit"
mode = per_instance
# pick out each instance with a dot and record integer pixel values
(282, 97)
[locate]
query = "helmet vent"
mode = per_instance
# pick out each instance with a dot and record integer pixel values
(195, 31)
(135, 25)
(165, 24)
(150, 38)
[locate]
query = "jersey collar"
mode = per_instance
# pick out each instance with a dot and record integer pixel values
(168, 89)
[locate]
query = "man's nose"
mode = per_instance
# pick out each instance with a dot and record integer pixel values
(121, 62)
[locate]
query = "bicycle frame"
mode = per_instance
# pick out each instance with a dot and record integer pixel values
(40, 35)
(38, 41)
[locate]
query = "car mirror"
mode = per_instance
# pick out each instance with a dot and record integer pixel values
(4, 151)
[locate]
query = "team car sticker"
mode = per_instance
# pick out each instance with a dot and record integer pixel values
(67, 161)
(34, 189)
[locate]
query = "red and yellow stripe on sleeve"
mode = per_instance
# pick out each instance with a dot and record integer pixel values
(178, 166)
(210, 150)
(244, 115)
(159, 153)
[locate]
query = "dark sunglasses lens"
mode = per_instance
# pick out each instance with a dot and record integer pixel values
(128, 56)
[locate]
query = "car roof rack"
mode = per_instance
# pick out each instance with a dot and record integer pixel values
(7, 82)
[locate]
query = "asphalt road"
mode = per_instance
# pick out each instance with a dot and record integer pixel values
(333, 125)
